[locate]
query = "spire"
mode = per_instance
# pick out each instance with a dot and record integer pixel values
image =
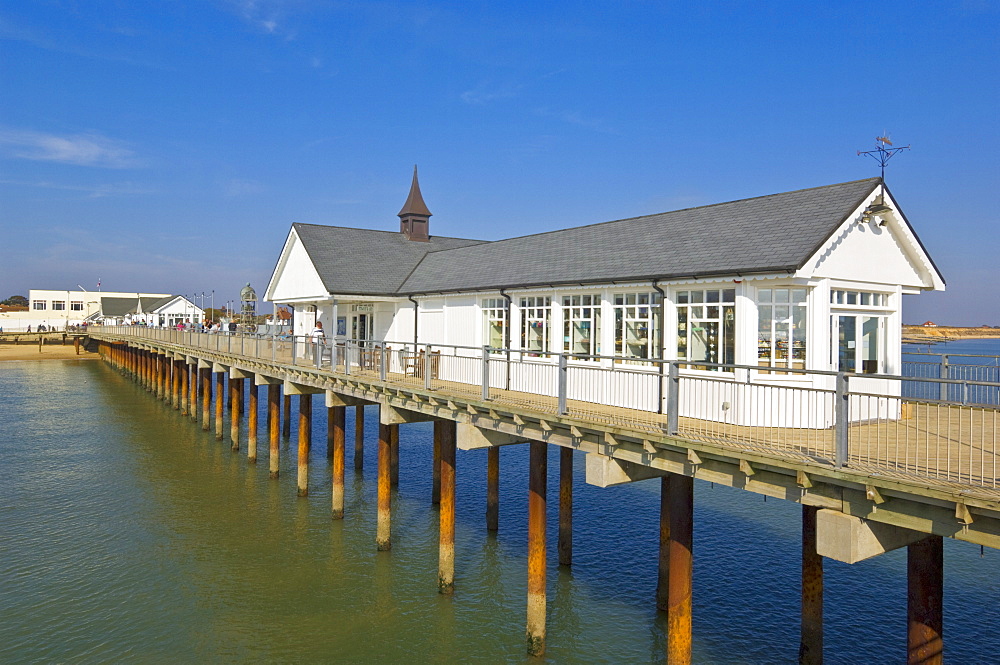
(414, 218)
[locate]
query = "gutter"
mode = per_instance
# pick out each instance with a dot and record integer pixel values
(506, 331)
(660, 340)
(416, 319)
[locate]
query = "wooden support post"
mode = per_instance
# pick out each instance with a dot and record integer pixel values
(76, 345)
(273, 423)
(160, 376)
(252, 422)
(493, 488)
(565, 545)
(185, 376)
(359, 437)
(235, 399)
(444, 437)
(286, 425)
(538, 472)
(811, 632)
(206, 397)
(436, 462)
(337, 417)
(383, 532)
(175, 398)
(924, 594)
(305, 441)
(673, 592)
(394, 457)
(220, 403)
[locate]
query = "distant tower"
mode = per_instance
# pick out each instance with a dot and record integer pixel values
(414, 218)
(248, 310)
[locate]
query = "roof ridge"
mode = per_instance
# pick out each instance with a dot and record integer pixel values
(671, 212)
(394, 233)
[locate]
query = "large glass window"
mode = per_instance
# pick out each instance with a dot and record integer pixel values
(495, 318)
(76, 305)
(860, 343)
(59, 305)
(38, 304)
(706, 326)
(637, 324)
(536, 317)
(582, 325)
(781, 327)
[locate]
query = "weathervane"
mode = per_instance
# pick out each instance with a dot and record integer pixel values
(881, 153)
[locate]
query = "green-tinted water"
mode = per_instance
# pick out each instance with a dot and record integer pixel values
(128, 534)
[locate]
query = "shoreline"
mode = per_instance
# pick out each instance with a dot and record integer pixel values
(45, 352)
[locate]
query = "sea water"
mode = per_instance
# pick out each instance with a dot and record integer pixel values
(127, 534)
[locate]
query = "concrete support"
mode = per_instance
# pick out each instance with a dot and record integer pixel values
(161, 376)
(436, 463)
(811, 629)
(565, 545)
(206, 397)
(924, 595)
(394, 457)
(286, 425)
(673, 593)
(252, 422)
(273, 422)
(193, 391)
(220, 403)
(383, 532)
(444, 437)
(538, 472)
(359, 438)
(305, 441)
(337, 416)
(235, 401)
(493, 489)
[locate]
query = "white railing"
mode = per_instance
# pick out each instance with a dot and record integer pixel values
(834, 418)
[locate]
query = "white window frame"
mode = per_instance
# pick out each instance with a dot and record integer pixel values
(634, 314)
(59, 305)
(39, 305)
(496, 319)
(783, 328)
(690, 311)
(582, 311)
(536, 319)
(76, 306)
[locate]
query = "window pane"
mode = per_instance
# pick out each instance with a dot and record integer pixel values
(711, 296)
(729, 295)
(764, 295)
(869, 344)
(781, 295)
(798, 296)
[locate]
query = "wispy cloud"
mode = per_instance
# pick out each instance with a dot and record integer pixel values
(486, 92)
(265, 15)
(578, 119)
(92, 191)
(88, 149)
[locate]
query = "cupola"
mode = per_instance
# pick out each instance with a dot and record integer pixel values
(414, 218)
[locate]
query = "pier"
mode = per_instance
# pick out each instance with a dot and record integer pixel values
(889, 471)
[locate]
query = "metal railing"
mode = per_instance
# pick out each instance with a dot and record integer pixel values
(928, 427)
(981, 369)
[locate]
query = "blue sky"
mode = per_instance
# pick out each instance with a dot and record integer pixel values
(168, 145)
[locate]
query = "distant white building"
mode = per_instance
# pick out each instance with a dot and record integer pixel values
(59, 310)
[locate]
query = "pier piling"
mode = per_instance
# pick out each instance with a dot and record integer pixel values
(811, 632)
(286, 425)
(220, 403)
(273, 422)
(436, 463)
(394, 457)
(305, 441)
(565, 544)
(235, 400)
(924, 595)
(383, 540)
(493, 489)
(252, 421)
(206, 397)
(444, 437)
(359, 437)
(673, 591)
(538, 471)
(337, 416)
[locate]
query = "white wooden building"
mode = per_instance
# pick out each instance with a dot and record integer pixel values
(811, 279)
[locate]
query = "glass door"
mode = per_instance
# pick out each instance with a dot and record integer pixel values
(860, 343)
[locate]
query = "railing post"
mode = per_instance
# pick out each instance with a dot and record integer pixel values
(563, 383)
(486, 373)
(274, 345)
(382, 362)
(944, 375)
(347, 357)
(673, 398)
(317, 352)
(427, 367)
(842, 416)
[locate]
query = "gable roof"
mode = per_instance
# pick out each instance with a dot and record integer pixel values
(764, 234)
(118, 306)
(774, 233)
(366, 262)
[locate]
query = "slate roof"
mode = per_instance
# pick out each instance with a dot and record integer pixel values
(771, 233)
(366, 262)
(118, 306)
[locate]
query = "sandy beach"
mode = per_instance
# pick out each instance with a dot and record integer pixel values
(54, 351)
